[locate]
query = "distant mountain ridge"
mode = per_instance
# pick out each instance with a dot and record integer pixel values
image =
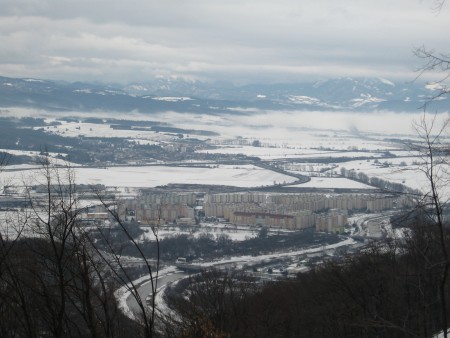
(342, 94)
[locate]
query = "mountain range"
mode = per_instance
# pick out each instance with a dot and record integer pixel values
(342, 94)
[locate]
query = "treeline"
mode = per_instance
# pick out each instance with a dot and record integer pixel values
(49, 289)
(388, 291)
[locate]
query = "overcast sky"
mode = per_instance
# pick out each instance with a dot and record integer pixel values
(243, 41)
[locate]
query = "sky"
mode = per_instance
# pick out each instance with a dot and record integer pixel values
(240, 41)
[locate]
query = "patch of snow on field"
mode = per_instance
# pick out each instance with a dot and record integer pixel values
(274, 152)
(263, 152)
(63, 163)
(332, 183)
(76, 129)
(410, 174)
(235, 233)
(29, 153)
(337, 154)
(152, 176)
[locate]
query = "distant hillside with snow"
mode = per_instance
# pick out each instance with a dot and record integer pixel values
(343, 94)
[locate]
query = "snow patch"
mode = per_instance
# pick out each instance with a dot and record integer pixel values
(385, 81)
(33, 80)
(84, 91)
(435, 86)
(332, 183)
(301, 99)
(366, 98)
(171, 98)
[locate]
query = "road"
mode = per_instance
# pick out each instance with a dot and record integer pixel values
(145, 289)
(372, 226)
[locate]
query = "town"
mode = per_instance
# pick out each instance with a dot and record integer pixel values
(324, 212)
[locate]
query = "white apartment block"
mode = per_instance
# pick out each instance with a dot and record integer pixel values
(155, 209)
(293, 211)
(332, 221)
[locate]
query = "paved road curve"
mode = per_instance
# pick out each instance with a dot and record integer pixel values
(146, 289)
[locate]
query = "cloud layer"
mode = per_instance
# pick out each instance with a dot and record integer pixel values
(240, 41)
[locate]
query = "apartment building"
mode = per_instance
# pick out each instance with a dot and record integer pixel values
(332, 221)
(157, 208)
(293, 211)
(263, 219)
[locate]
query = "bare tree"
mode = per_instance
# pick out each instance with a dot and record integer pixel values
(435, 62)
(52, 281)
(12, 224)
(56, 216)
(434, 153)
(435, 166)
(111, 255)
(438, 4)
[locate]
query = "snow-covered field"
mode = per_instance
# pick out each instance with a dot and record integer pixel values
(264, 152)
(268, 153)
(76, 129)
(235, 233)
(28, 153)
(332, 183)
(152, 176)
(406, 173)
(56, 158)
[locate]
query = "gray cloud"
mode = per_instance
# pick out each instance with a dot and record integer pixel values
(241, 41)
